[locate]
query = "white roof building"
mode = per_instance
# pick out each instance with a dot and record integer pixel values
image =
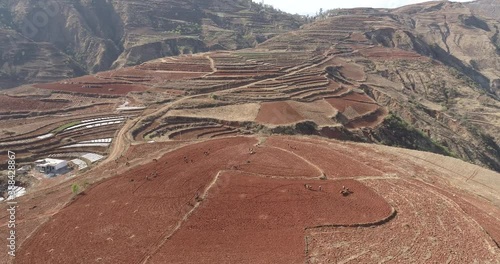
(80, 163)
(92, 157)
(50, 165)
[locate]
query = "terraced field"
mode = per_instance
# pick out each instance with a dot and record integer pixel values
(88, 135)
(193, 166)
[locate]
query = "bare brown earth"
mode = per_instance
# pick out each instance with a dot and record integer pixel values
(419, 233)
(278, 113)
(216, 201)
(257, 220)
(9, 103)
(84, 87)
(169, 200)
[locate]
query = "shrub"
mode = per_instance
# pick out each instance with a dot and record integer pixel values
(75, 189)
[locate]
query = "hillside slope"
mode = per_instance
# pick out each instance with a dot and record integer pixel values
(384, 76)
(438, 70)
(94, 36)
(214, 202)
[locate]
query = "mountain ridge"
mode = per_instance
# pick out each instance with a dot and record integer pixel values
(101, 35)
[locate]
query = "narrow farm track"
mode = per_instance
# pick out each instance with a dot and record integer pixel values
(121, 142)
(322, 173)
(170, 233)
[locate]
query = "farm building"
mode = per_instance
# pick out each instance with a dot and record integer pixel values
(50, 165)
(80, 164)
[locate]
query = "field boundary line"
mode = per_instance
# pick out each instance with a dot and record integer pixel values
(169, 234)
(302, 158)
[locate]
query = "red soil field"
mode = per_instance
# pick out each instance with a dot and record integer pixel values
(238, 74)
(111, 89)
(428, 228)
(277, 162)
(358, 97)
(248, 219)
(8, 103)
(130, 71)
(335, 164)
(92, 79)
(141, 150)
(277, 113)
(361, 103)
(138, 75)
(244, 216)
(147, 208)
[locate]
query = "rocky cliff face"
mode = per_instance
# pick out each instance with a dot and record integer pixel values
(22, 60)
(88, 36)
(457, 36)
(457, 103)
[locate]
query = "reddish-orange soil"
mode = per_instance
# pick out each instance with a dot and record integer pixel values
(277, 162)
(135, 74)
(335, 164)
(142, 150)
(428, 228)
(9, 103)
(122, 218)
(112, 89)
(157, 195)
(235, 200)
(277, 113)
(257, 220)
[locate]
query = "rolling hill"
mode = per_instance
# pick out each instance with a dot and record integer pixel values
(365, 135)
